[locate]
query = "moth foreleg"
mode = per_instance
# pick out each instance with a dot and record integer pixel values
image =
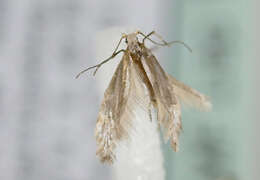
(103, 62)
(100, 64)
(115, 52)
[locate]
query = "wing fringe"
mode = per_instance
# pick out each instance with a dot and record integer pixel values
(190, 96)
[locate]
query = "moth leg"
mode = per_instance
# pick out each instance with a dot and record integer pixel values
(165, 43)
(103, 62)
(150, 111)
(100, 64)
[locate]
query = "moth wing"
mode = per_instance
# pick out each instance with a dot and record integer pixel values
(110, 126)
(167, 104)
(190, 96)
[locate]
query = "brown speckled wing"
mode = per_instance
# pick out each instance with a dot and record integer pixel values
(110, 126)
(167, 104)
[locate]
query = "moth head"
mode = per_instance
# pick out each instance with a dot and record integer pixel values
(132, 42)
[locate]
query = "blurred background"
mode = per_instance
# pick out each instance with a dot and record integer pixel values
(47, 117)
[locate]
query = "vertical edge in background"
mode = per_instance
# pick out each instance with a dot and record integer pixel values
(172, 14)
(254, 141)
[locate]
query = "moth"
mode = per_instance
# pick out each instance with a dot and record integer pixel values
(140, 75)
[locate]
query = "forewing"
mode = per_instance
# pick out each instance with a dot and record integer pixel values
(109, 127)
(168, 107)
(190, 96)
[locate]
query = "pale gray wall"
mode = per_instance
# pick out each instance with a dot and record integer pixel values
(47, 117)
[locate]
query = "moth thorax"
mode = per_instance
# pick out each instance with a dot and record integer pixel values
(133, 44)
(134, 48)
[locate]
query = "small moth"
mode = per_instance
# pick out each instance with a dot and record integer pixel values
(139, 66)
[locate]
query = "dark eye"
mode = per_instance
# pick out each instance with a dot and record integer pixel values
(126, 40)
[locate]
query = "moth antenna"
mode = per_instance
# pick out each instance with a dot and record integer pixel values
(165, 43)
(183, 43)
(111, 57)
